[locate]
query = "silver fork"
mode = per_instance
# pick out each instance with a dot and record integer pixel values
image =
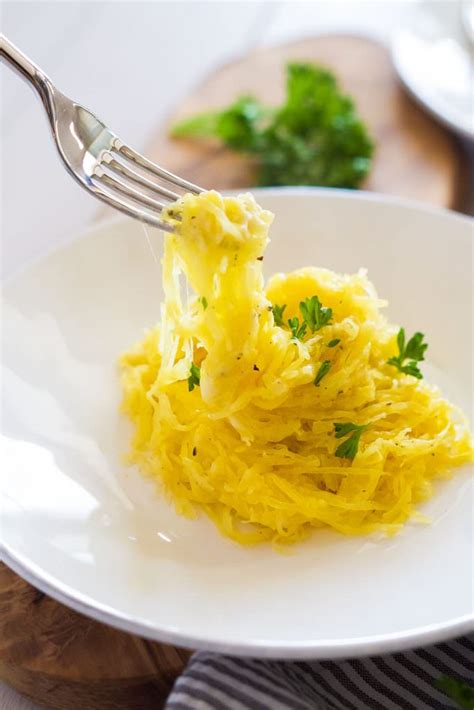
(96, 157)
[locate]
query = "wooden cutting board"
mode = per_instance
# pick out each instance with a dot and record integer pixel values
(415, 157)
(65, 660)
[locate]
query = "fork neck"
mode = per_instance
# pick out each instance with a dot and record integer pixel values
(29, 71)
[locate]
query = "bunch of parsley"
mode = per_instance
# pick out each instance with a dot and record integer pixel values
(314, 138)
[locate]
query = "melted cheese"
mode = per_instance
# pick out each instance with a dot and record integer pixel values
(253, 446)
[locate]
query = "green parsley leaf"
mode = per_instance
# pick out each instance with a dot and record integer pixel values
(401, 340)
(278, 314)
(416, 348)
(298, 331)
(323, 370)
(314, 314)
(457, 690)
(194, 377)
(349, 448)
(333, 343)
(344, 428)
(413, 352)
(314, 138)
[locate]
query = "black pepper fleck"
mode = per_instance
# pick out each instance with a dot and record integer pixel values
(259, 258)
(194, 451)
(257, 369)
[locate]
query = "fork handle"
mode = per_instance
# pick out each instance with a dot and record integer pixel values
(29, 71)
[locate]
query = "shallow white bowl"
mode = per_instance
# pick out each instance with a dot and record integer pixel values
(82, 527)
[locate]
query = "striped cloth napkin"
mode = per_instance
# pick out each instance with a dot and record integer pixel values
(401, 681)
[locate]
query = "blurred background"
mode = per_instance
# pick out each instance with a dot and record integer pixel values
(139, 65)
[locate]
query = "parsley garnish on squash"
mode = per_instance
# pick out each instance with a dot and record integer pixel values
(298, 329)
(314, 313)
(314, 316)
(314, 138)
(413, 351)
(349, 448)
(194, 377)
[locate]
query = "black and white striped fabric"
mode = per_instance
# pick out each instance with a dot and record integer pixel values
(401, 681)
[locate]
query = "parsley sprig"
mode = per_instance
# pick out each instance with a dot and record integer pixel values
(314, 313)
(413, 352)
(349, 448)
(298, 329)
(314, 317)
(194, 378)
(315, 137)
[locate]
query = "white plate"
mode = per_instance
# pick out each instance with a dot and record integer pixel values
(433, 57)
(99, 538)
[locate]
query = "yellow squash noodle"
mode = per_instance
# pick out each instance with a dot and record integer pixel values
(253, 443)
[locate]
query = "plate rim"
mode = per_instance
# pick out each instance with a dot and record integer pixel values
(317, 649)
(287, 650)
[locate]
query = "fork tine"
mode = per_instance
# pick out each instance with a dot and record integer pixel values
(117, 166)
(143, 162)
(102, 177)
(140, 213)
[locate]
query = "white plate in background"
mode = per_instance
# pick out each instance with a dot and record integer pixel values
(95, 535)
(433, 56)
